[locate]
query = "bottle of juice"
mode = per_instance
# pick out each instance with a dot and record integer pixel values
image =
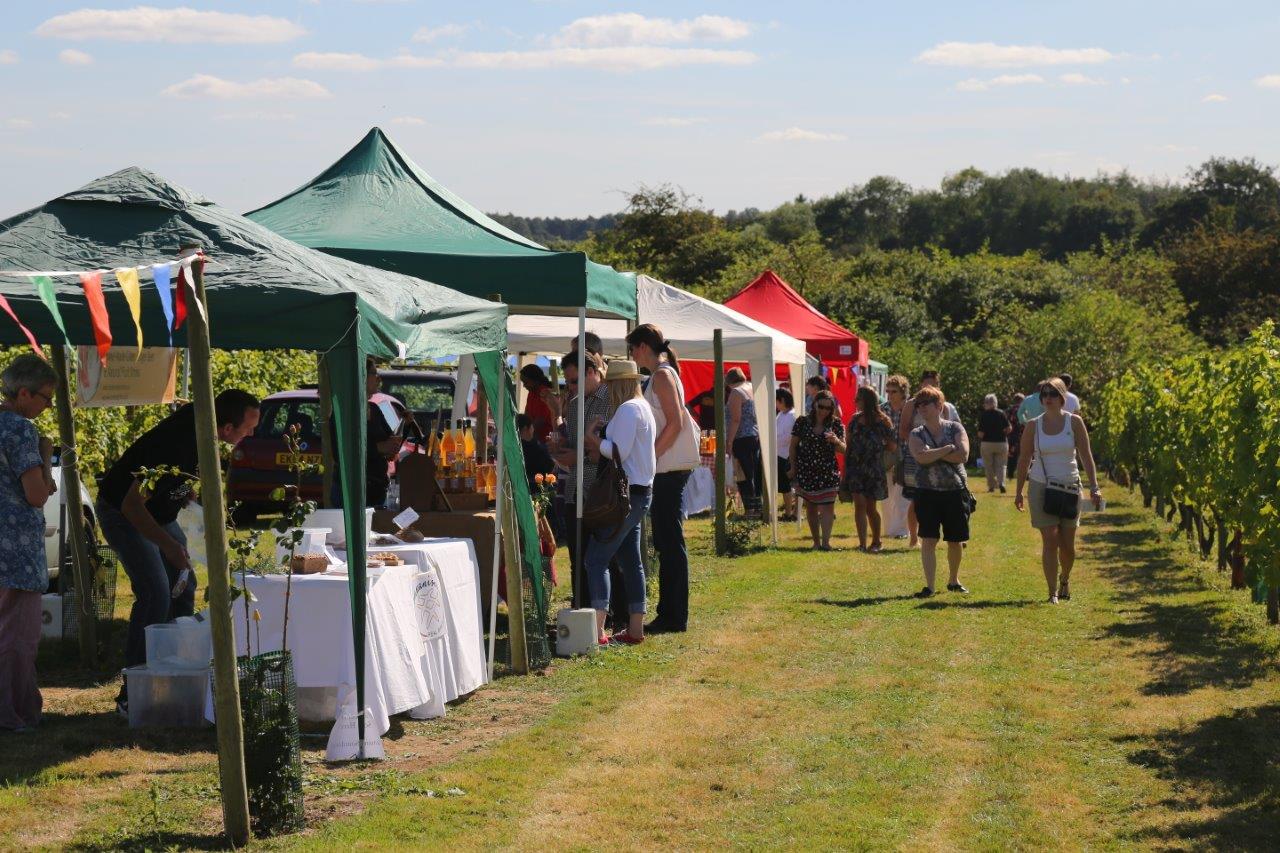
(469, 439)
(446, 447)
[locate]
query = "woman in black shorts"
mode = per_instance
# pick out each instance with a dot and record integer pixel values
(940, 448)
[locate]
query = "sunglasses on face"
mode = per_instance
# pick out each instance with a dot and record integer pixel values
(1050, 395)
(824, 407)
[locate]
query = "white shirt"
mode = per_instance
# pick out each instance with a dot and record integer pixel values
(786, 420)
(1054, 455)
(632, 431)
(1073, 403)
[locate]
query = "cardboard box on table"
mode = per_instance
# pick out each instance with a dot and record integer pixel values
(458, 516)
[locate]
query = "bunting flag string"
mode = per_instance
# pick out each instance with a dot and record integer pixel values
(92, 284)
(8, 309)
(132, 290)
(185, 262)
(44, 286)
(180, 299)
(160, 273)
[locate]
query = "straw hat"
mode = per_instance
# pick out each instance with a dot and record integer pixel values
(621, 368)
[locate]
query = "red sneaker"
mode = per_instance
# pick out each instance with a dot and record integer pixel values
(623, 638)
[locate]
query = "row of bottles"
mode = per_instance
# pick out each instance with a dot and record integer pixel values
(457, 470)
(707, 445)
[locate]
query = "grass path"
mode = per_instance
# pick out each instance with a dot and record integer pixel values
(815, 704)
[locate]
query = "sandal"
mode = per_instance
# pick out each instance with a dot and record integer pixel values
(925, 593)
(876, 548)
(1053, 599)
(956, 587)
(1064, 590)
(625, 639)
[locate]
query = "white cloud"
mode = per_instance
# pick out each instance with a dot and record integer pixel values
(673, 121)
(176, 26)
(636, 58)
(1270, 81)
(973, 84)
(409, 121)
(1076, 79)
(19, 123)
(448, 31)
(990, 55)
(208, 86)
(313, 61)
(8, 57)
(1213, 99)
(1174, 148)
(74, 57)
(629, 29)
(796, 134)
(60, 115)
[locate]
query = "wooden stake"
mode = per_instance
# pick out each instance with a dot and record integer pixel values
(235, 796)
(75, 531)
(722, 538)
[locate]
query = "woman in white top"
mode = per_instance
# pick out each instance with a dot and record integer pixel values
(1047, 456)
(785, 403)
(630, 434)
(676, 446)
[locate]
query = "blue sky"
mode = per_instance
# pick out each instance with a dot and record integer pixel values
(559, 107)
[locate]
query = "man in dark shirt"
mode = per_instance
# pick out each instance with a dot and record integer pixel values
(536, 458)
(141, 524)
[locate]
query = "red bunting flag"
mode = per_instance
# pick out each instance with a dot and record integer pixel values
(8, 309)
(180, 301)
(92, 284)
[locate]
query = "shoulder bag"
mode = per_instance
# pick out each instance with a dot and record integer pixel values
(1060, 499)
(683, 455)
(607, 500)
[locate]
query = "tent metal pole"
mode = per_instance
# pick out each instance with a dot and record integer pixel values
(501, 411)
(580, 582)
(226, 696)
(722, 537)
(73, 513)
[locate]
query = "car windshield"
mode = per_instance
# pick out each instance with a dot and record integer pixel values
(277, 415)
(420, 394)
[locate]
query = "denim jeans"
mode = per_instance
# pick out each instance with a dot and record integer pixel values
(667, 516)
(150, 575)
(582, 589)
(746, 452)
(625, 543)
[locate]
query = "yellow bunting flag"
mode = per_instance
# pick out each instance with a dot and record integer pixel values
(132, 290)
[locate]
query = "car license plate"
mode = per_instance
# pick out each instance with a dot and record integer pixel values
(308, 458)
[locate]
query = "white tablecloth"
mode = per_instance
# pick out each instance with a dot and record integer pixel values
(424, 646)
(700, 491)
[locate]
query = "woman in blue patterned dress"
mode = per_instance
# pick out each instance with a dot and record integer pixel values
(26, 483)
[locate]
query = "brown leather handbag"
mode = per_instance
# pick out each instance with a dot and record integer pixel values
(607, 501)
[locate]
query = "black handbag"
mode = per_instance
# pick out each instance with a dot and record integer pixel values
(607, 501)
(1060, 499)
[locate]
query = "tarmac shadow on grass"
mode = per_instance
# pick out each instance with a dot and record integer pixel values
(1224, 763)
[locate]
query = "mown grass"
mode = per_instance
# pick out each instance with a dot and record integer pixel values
(813, 704)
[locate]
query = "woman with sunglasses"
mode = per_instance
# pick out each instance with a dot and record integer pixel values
(815, 440)
(26, 482)
(899, 522)
(1051, 444)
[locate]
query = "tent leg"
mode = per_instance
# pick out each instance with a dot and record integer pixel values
(497, 526)
(73, 512)
(235, 798)
(722, 538)
(581, 598)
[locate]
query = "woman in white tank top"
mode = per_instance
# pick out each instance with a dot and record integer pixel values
(1051, 445)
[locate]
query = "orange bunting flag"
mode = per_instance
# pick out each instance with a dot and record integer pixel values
(132, 291)
(92, 284)
(8, 309)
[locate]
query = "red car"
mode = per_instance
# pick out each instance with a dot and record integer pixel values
(258, 463)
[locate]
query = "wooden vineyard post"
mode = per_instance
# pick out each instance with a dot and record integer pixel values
(231, 774)
(87, 615)
(722, 538)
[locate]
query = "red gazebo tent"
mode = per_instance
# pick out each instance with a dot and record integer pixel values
(772, 301)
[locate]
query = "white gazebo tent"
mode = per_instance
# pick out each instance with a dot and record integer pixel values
(688, 321)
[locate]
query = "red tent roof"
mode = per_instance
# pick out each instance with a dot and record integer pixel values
(773, 302)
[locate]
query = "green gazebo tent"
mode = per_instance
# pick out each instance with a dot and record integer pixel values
(263, 292)
(378, 207)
